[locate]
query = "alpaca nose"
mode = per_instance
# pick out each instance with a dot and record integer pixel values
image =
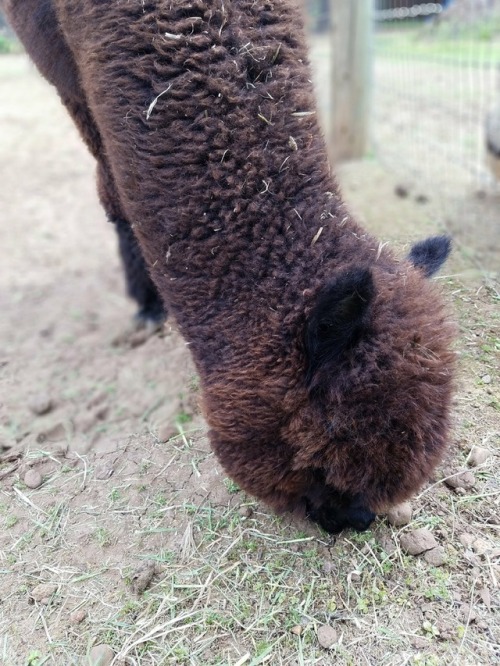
(361, 519)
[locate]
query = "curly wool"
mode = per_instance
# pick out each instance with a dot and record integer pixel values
(204, 113)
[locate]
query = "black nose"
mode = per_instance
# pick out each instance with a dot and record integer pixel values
(334, 520)
(360, 519)
(327, 518)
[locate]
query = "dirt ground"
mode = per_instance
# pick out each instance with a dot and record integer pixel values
(139, 540)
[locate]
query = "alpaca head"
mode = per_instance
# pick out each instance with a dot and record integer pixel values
(379, 378)
(344, 411)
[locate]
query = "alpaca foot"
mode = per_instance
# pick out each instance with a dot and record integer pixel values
(151, 318)
(144, 325)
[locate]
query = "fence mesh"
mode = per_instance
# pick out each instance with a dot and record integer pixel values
(435, 99)
(435, 88)
(437, 77)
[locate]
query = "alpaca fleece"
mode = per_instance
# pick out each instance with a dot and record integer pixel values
(325, 362)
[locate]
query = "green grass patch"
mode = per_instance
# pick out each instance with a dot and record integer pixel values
(8, 45)
(472, 46)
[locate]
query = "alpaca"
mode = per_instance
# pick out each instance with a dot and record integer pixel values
(325, 362)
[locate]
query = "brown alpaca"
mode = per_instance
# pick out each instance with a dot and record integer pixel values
(325, 361)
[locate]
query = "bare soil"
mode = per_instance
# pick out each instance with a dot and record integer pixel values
(88, 405)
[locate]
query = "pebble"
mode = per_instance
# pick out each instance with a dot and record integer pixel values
(466, 539)
(101, 412)
(103, 472)
(400, 514)
(297, 630)
(447, 631)
(85, 422)
(142, 576)
(460, 479)
(246, 511)
(56, 433)
(41, 405)
(486, 379)
(418, 541)
(101, 655)
(327, 636)
(473, 559)
(387, 543)
(419, 643)
(78, 616)
(436, 556)
(401, 191)
(328, 567)
(33, 479)
(478, 456)
(167, 431)
(481, 546)
(43, 592)
(468, 613)
(485, 595)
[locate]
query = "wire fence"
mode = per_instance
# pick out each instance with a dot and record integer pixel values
(436, 79)
(435, 93)
(435, 98)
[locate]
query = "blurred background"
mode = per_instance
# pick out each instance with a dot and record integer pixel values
(415, 87)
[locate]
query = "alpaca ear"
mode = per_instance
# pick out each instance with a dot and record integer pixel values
(430, 254)
(338, 317)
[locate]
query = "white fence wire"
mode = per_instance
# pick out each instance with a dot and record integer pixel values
(435, 84)
(435, 93)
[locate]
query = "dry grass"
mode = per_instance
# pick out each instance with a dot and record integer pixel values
(234, 584)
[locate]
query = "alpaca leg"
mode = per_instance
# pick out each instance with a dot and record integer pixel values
(36, 24)
(140, 286)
